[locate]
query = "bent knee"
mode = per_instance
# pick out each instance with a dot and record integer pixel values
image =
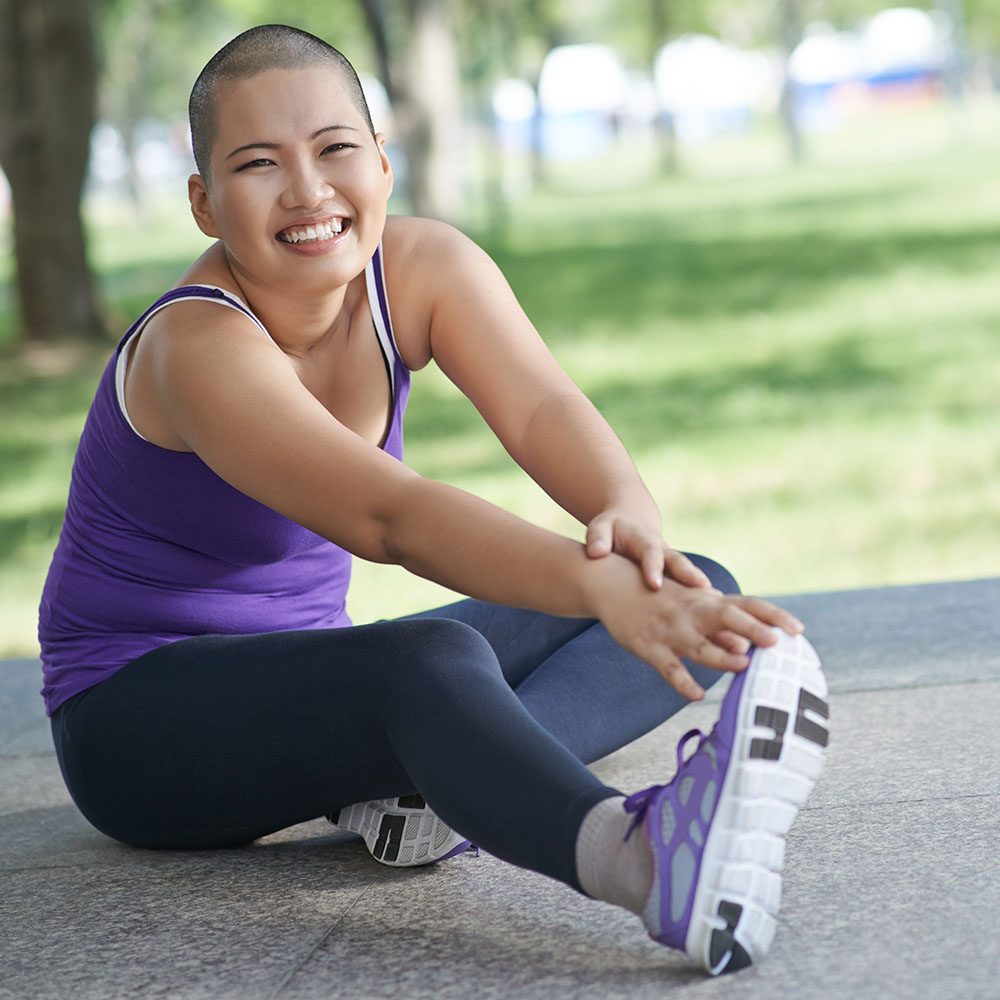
(444, 645)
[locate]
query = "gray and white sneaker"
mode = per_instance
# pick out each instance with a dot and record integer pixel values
(401, 832)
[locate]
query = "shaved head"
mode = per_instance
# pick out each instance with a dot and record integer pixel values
(268, 46)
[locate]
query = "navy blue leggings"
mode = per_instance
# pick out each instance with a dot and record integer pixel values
(490, 713)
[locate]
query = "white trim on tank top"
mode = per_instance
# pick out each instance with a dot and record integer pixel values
(382, 330)
(238, 304)
(385, 340)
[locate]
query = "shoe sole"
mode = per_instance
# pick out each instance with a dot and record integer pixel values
(778, 752)
(401, 833)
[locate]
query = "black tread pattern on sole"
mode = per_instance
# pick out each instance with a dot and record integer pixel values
(775, 719)
(411, 802)
(390, 836)
(809, 728)
(723, 941)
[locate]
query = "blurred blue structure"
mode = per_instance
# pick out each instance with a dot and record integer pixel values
(900, 54)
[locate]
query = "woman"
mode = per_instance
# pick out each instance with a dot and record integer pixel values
(204, 684)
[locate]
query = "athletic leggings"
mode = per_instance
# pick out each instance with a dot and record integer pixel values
(490, 713)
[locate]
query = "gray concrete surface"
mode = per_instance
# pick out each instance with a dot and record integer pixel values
(892, 882)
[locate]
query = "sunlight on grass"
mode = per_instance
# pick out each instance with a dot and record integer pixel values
(802, 362)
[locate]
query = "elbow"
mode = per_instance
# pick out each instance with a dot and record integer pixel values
(393, 523)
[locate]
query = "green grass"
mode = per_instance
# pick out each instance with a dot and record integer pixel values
(803, 363)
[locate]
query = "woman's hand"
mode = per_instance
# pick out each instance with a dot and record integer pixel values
(628, 536)
(677, 621)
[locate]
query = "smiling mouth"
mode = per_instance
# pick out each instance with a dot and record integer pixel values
(314, 234)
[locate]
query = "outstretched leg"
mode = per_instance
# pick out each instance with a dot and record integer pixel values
(574, 679)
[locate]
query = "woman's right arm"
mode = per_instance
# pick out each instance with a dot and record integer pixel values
(262, 431)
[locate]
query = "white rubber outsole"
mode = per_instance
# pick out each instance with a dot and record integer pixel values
(398, 835)
(778, 753)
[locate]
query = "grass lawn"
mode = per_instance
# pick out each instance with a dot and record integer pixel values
(804, 363)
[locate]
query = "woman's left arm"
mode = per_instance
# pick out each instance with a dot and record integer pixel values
(483, 341)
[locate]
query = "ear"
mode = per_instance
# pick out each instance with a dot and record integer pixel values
(201, 207)
(386, 165)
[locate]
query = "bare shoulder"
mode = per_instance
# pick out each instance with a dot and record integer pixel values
(410, 232)
(186, 339)
(422, 257)
(202, 329)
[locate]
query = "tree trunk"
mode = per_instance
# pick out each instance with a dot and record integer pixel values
(664, 126)
(422, 82)
(48, 82)
(433, 125)
(791, 35)
(954, 69)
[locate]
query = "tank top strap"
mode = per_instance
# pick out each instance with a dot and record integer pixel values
(378, 302)
(209, 293)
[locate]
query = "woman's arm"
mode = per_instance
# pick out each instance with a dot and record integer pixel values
(262, 431)
(483, 341)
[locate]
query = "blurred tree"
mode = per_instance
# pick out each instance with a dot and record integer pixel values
(417, 63)
(544, 24)
(149, 62)
(790, 33)
(982, 25)
(661, 26)
(48, 86)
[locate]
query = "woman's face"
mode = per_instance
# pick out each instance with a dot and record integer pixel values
(292, 153)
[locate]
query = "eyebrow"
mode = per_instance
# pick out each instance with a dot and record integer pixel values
(259, 144)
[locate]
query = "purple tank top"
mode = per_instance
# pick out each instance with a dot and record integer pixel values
(156, 547)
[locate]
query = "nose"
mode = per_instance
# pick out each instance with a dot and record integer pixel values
(306, 185)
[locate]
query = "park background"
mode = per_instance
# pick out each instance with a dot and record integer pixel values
(762, 235)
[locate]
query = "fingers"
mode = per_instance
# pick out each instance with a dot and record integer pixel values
(701, 650)
(771, 614)
(652, 566)
(709, 628)
(683, 570)
(609, 533)
(677, 676)
(599, 536)
(708, 653)
(734, 618)
(731, 641)
(646, 549)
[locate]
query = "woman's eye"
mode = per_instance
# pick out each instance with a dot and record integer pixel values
(338, 145)
(253, 163)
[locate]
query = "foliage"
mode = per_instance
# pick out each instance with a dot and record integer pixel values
(152, 51)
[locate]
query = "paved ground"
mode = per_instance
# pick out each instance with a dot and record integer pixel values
(892, 882)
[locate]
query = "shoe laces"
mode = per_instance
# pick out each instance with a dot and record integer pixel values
(639, 802)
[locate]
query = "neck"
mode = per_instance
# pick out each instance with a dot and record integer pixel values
(298, 320)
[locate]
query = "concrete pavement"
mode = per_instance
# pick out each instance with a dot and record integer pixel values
(891, 883)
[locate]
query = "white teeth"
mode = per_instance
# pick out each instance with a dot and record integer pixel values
(325, 231)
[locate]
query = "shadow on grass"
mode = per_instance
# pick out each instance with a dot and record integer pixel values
(740, 399)
(660, 276)
(795, 390)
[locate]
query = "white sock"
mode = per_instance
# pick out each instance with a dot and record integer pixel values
(608, 866)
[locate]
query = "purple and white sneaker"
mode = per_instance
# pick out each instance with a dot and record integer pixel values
(716, 831)
(401, 832)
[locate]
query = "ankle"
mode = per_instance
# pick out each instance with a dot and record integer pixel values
(608, 866)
